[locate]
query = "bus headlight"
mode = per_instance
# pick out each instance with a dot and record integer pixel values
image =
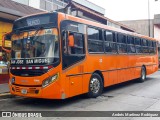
(12, 80)
(50, 80)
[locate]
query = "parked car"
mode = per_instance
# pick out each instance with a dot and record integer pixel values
(3, 67)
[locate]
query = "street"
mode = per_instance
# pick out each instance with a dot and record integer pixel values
(130, 96)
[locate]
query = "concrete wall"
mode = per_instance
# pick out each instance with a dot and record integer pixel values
(34, 3)
(157, 32)
(141, 26)
(91, 6)
(157, 26)
(26, 2)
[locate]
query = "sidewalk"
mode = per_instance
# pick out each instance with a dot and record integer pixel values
(4, 91)
(4, 88)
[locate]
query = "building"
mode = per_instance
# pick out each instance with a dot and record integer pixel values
(9, 11)
(156, 25)
(143, 26)
(79, 8)
(92, 13)
(13, 9)
(48, 5)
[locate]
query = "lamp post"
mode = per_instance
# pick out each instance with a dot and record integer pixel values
(149, 26)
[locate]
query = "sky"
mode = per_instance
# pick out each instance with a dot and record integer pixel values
(120, 10)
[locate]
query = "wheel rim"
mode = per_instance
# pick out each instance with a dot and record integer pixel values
(143, 74)
(95, 85)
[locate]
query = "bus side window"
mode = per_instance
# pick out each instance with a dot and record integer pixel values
(64, 41)
(121, 43)
(72, 35)
(138, 45)
(110, 42)
(78, 47)
(130, 45)
(95, 41)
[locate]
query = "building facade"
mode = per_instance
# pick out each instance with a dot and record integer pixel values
(48, 5)
(143, 26)
(157, 26)
(79, 8)
(10, 11)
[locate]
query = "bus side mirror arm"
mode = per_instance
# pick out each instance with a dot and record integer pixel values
(3, 43)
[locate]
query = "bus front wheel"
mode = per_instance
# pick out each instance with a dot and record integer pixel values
(95, 86)
(143, 75)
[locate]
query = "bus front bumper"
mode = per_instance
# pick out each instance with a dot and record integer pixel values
(53, 91)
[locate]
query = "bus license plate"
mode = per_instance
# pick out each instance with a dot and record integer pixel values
(24, 91)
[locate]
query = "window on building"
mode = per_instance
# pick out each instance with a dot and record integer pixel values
(48, 6)
(25, 2)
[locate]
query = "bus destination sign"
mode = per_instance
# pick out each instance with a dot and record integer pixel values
(31, 61)
(32, 22)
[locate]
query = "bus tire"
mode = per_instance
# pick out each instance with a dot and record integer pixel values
(143, 75)
(95, 86)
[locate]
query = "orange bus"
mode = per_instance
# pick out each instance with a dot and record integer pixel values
(57, 56)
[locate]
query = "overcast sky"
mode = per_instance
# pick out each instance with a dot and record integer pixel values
(128, 9)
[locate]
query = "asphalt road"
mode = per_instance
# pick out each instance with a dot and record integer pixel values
(130, 96)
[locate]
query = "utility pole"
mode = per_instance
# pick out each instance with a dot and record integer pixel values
(149, 26)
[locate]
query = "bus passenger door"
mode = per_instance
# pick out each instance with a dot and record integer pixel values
(72, 61)
(75, 81)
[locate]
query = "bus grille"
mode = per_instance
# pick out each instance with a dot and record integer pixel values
(30, 90)
(17, 89)
(28, 73)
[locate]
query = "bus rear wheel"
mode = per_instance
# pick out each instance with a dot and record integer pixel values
(95, 86)
(143, 75)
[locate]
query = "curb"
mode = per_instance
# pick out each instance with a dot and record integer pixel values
(6, 95)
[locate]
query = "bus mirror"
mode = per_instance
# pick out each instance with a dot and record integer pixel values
(71, 41)
(6, 38)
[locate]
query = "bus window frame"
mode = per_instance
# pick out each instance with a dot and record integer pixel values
(83, 38)
(131, 44)
(114, 34)
(101, 38)
(63, 28)
(122, 43)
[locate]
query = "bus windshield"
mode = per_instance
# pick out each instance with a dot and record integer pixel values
(42, 43)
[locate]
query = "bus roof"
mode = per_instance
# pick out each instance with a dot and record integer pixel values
(92, 23)
(103, 26)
